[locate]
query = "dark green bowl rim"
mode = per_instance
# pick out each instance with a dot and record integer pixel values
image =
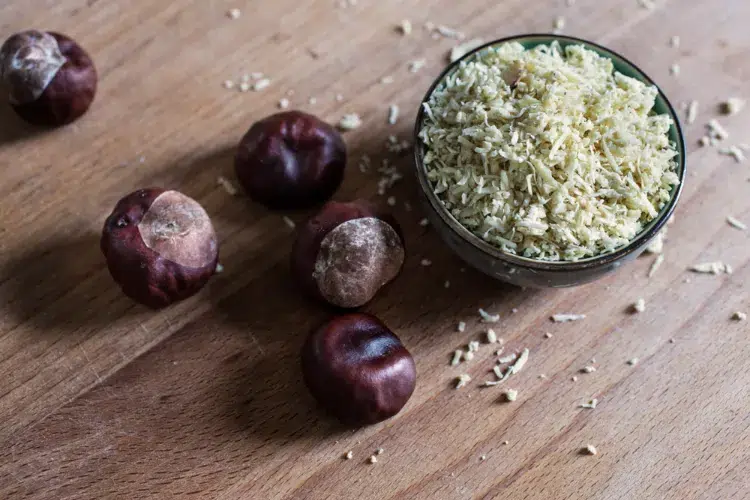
(651, 230)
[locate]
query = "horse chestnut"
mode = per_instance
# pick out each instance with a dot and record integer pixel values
(52, 80)
(291, 160)
(358, 369)
(160, 246)
(347, 252)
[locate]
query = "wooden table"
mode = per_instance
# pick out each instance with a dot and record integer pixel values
(101, 398)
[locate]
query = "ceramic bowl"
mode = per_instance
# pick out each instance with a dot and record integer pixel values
(523, 271)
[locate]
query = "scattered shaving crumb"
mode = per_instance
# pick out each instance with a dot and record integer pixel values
(588, 369)
(639, 306)
(674, 69)
(565, 318)
(590, 449)
(547, 335)
(373, 459)
(711, 268)
(499, 351)
(244, 87)
(350, 121)
(386, 80)
(468, 356)
(393, 114)
(487, 317)
(380, 451)
(283, 103)
(520, 362)
(633, 361)
(483, 458)
(339, 98)
(416, 65)
(312, 101)
(462, 380)
(735, 152)
(559, 23)
(491, 336)
(716, 131)
(542, 376)
(674, 42)
(426, 262)
(511, 395)
(405, 27)
(739, 316)
(227, 185)
(574, 378)
(473, 346)
(704, 141)
(228, 84)
(447, 284)
(219, 268)
(590, 405)
(506, 442)
(450, 33)
(736, 223)
(514, 310)
(349, 455)
(461, 326)
(657, 245)
(457, 355)
(391, 201)
(234, 13)
(261, 84)
(289, 222)
(462, 49)
(672, 341)
(658, 261)
(692, 111)
(732, 105)
(424, 222)
(507, 359)
(570, 3)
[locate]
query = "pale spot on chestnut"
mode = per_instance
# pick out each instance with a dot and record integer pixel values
(347, 252)
(50, 79)
(160, 246)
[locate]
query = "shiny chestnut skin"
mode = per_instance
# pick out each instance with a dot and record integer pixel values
(347, 252)
(291, 160)
(160, 246)
(358, 369)
(51, 79)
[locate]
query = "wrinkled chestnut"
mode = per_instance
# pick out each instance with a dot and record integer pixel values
(358, 369)
(291, 160)
(347, 252)
(160, 246)
(51, 79)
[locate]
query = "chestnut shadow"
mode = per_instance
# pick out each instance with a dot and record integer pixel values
(58, 285)
(13, 129)
(268, 399)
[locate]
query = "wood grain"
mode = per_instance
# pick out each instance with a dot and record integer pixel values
(100, 398)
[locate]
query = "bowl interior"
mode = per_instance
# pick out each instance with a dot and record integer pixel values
(661, 106)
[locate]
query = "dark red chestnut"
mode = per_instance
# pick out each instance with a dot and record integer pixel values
(51, 79)
(358, 369)
(160, 246)
(291, 160)
(347, 252)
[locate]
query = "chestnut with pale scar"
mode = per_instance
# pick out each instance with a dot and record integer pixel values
(50, 79)
(347, 252)
(160, 246)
